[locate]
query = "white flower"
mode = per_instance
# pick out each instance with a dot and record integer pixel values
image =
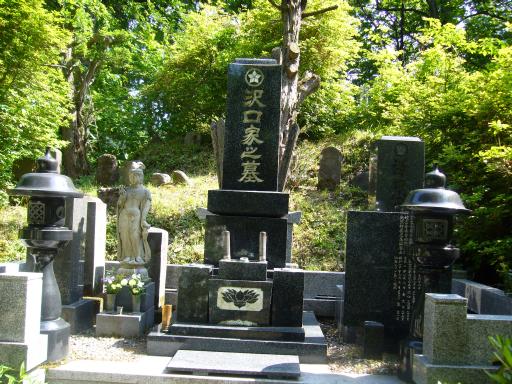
(124, 282)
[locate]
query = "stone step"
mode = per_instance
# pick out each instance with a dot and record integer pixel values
(151, 370)
(313, 350)
(235, 364)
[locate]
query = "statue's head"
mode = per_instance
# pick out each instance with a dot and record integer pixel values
(136, 173)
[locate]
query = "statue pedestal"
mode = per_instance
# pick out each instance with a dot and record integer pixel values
(128, 269)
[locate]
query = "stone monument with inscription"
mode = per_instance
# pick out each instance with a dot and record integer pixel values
(246, 298)
(381, 280)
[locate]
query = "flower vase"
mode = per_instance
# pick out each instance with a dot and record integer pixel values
(135, 303)
(110, 302)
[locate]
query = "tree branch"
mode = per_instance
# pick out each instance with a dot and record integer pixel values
(320, 11)
(483, 13)
(275, 5)
(307, 85)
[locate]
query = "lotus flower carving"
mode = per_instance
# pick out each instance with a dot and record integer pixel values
(240, 298)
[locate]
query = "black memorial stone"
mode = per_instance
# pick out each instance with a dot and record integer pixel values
(400, 169)
(381, 280)
(251, 140)
(240, 302)
(373, 340)
(193, 293)
(244, 238)
(287, 297)
(248, 203)
(243, 270)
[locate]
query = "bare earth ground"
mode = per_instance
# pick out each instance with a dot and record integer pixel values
(341, 357)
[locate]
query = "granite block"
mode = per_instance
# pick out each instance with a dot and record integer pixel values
(158, 240)
(95, 244)
(125, 325)
(239, 332)
(173, 275)
(248, 203)
(239, 302)
(381, 280)
(229, 363)
(193, 293)
(373, 340)
(444, 328)
(324, 307)
(69, 263)
(322, 283)
(13, 354)
(20, 306)
(483, 299)
(80, 315)
(243, 270)
(400, 169)
(287, 297)
(251, 139)
(147, 299)
(313, 350)
(244, 236)
(425, 372)
(478, 328)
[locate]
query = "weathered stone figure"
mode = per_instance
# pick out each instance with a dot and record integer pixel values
(132, 229)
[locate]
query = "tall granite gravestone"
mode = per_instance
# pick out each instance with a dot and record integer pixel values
(230, 304)
(381, 280)
(248, 202)
(81, 263)
(329, 172)
(400, 169)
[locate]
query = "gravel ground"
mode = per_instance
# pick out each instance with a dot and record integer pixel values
(342, 358)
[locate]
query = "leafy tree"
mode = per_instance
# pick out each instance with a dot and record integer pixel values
(464, 117)
(33, 92)
(192, 85)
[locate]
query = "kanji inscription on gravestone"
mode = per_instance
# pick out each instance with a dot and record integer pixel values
(251, 139)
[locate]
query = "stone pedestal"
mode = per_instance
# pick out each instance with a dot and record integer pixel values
(20, 314)
(455, 344)
(128, 323)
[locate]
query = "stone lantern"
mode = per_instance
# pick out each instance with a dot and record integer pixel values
(433, 209)
(44, 235)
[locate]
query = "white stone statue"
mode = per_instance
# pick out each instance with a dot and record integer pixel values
(132, 229)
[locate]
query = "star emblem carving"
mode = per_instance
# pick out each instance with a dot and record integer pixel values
(254, 77)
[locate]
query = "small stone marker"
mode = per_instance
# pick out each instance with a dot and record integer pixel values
(107, 172)
(252, 125)
(158, 179)
(329, 173)
(192, 138)
(179, 177)
(229, 363)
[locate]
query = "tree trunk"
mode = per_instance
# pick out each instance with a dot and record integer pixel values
(75, 154)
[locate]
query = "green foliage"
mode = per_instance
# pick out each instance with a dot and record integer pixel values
(12, 219)
(33, 91)
(464, 117)
(9, 375)
(191, 87)
(502, 355)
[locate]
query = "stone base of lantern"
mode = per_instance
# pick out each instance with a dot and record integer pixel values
(58, 332)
